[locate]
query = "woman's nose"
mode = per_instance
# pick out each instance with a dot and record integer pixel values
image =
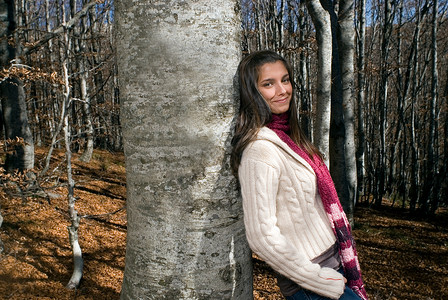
(280, 89)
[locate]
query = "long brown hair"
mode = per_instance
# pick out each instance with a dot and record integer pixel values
(254, 112)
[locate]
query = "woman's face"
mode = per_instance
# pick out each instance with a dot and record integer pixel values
(275, 87)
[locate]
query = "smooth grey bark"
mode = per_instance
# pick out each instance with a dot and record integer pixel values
(337, 126)
(185, 234)
(87, 153)
(361, 96)
(78, 262)
(12, 94)
(321, 21)
(346, 43)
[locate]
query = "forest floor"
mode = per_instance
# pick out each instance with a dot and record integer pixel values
(402, 257)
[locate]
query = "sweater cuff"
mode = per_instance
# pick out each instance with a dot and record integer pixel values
(330, 283)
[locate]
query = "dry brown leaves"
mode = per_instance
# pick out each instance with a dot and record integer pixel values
(402, 257)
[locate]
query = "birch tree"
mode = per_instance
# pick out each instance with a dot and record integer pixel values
(185, 234)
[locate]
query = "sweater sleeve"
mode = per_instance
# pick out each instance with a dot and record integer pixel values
(259, 184)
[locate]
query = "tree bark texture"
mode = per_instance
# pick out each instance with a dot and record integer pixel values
(361, 96)
(12, 96)
(321, 21)
(185, 235)
(346, 44)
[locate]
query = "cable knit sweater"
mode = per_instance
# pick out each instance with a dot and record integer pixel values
(286, 224)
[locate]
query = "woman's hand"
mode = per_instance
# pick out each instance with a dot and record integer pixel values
(345, 280)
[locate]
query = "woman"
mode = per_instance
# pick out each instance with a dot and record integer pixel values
(292, 214)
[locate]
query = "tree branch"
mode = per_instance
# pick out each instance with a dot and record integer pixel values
(59, 30)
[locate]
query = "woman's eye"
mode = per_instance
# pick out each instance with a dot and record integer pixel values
(286, 80)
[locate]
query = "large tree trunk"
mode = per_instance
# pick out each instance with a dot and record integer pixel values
(185, 235)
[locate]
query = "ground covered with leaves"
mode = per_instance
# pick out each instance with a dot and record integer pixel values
(402, 256)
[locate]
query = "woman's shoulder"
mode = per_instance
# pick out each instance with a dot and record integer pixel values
(263, 146)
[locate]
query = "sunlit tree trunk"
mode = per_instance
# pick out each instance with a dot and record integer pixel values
(87, 153)
(321, 21)
(78, 262)
(185, 233)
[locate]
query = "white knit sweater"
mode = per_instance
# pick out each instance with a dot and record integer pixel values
(286, 224)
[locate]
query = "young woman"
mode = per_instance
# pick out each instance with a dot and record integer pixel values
(293, 218)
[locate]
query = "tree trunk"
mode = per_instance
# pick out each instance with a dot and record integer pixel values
(87, 153)
(185, 236)
(78, 262)
(321, 21)
(385, 72)
(12, 96)
(360, 152)
(346, 45)
(304, 99)
(414, 180)
(432, 175)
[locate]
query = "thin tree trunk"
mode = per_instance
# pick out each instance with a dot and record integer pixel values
(413, 190)
(360, 153)
(305, 103)
(432, 175)
(321, 21)
(78, 262)
(86, 156)
(346, 44)
(385, 72)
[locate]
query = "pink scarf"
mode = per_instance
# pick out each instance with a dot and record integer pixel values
(327, 191)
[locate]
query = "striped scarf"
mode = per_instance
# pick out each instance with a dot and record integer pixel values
(333, 208)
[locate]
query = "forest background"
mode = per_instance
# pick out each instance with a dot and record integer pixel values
(60, 92)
